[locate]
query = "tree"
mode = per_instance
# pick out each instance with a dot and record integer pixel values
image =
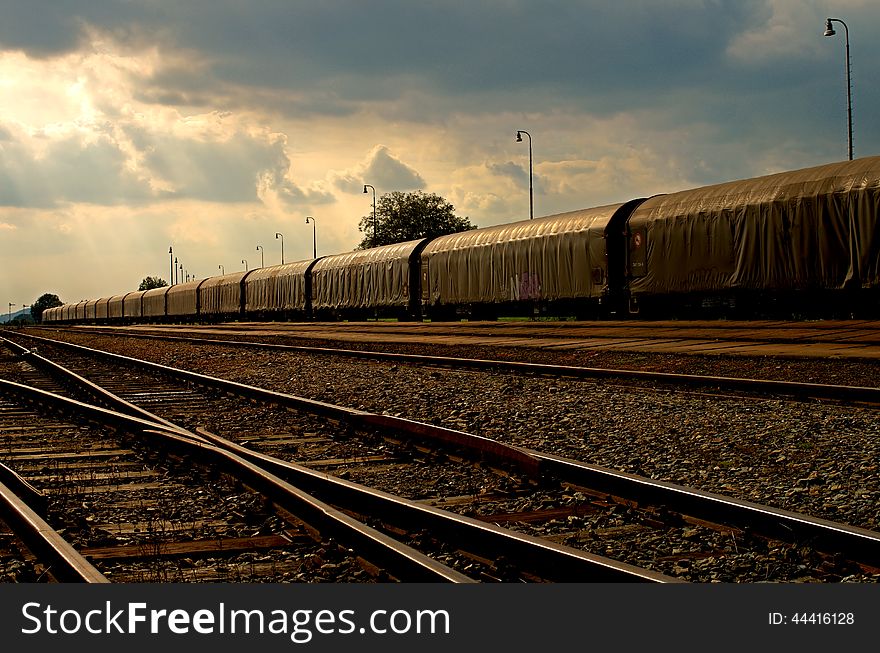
(410, 216)
(46, 300)
(152, 282)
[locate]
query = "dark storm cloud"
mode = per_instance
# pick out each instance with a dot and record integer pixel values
(580, 47)
(426, 60)
(45, 28)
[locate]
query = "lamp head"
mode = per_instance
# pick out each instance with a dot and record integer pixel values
(365, 188)
(829, 30)
(276, 235)
(519, 137)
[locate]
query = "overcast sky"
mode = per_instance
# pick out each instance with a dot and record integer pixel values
(131, 126)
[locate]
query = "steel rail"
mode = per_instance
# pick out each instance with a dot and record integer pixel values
(791, 388)
(66, 564)
(376, 546)
(479, 447)
(787, 526)
(27, 492)
(543, 558)
(101, 395)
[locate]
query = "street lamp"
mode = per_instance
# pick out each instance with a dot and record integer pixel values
(314, 236)
(9, 319)
(222, 269)
(829, 31)
(281, 236)
(375, 224)
(171, 257)
(262, 259)
(519, 134)
(181, 271)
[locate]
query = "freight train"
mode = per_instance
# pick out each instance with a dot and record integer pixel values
(802, 243)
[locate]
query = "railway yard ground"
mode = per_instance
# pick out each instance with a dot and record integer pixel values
(819, 457)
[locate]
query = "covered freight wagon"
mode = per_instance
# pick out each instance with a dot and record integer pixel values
(279, 290)
(368, 283)
(116, 307)
(153, 303)
(102, 309)
(792, 237)
(221, 296)
(524, 267)
(91, 310)
(182, 300)
(132, 305)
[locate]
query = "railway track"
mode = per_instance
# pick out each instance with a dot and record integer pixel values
(147, 512)
(541, 560)
(868, 395)
(31, 551)
(840, 338)
(586, 506)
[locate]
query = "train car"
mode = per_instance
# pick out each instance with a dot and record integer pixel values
(50, 315)
(182, 301)
(377, 282)
(279, 291)
(132, 306)
(153, 304)
(91, 311)
(557, 264)
(102, 310)
(803, 242)
(80, 311)
(222, 297)
(116, 308)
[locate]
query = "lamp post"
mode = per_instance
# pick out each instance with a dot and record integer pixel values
(281, 236)
(375, 224)
(519, 134)
(171, 257)
(222, 269)
(829, 31)
(9, 319)
(244, 261)
(174, 274)
(314, 236)
(262, 259)
(181, 271)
